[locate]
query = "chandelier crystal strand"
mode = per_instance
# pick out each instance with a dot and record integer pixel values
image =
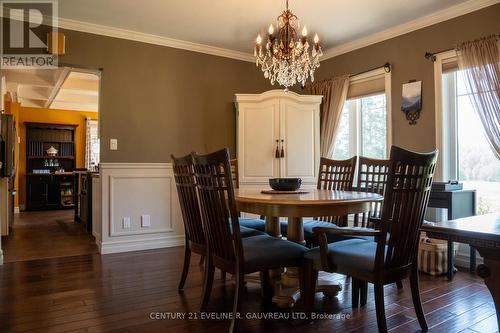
(285, 58)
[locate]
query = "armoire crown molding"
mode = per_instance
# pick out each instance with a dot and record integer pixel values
(277, 93)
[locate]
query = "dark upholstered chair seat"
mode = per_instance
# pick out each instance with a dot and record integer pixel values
(253, 223)
(310, 237)
(267, 252)
(249, 232)
(353, 254)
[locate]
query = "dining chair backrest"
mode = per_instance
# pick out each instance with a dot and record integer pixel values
(218, 207)
(406, 197)
(235, 173)
(188, 199)
(337, 175)
(372, 177)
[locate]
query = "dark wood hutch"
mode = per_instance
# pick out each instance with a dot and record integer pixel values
(49, 178)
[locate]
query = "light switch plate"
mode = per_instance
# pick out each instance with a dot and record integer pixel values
(113, 144)
(145, 221)
(126, 223)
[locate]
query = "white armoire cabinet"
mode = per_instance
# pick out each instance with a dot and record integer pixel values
(277, 136)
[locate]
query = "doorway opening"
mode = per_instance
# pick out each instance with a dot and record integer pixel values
(50, 134)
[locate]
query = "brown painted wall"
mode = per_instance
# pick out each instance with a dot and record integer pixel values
(406, 55)
(158, 100)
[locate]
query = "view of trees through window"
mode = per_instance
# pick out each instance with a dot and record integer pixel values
(373, 127)
(478, 168)
(363, 128)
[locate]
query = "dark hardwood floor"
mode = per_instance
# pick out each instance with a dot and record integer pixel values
(46, 234)
(120, 292)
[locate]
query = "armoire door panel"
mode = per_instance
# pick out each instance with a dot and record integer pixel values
(258, 127)
(277, 115)
(298, 129)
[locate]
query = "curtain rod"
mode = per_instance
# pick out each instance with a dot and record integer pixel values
(432, 55)
(387, 68)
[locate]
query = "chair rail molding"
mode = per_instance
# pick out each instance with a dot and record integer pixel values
(129, 191)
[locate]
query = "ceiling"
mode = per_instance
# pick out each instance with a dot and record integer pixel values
(233, 25)
(62, 89)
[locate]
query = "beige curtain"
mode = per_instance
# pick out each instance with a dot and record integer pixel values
(334, 95)
(479, 62)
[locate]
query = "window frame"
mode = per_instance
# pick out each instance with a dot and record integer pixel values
(355, 110)
(446, 136)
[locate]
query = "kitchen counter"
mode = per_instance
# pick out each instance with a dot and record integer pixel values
(51, 174)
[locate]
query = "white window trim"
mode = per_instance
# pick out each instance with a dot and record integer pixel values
(379, 72)
(446, 166)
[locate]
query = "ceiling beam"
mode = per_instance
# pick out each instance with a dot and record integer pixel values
(55, 90)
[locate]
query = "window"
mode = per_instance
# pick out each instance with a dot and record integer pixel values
(471, 159)
(363, 128)
(92, 145)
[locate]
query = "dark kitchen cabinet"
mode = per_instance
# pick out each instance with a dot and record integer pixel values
(50, 161)
(38, 191)
(48, 191)
(53, 193)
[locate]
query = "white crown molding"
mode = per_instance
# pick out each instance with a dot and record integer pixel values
(419, 23)
(109, 31)
(153, 39)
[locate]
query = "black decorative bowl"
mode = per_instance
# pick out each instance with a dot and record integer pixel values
(285, 184)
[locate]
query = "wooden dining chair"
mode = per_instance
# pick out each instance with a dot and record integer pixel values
(188, 200)
(394, 254)
(227, 250)
(248, 222)
(335, 175)
(372, 177)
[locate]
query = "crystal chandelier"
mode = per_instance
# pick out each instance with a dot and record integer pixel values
(286, 58)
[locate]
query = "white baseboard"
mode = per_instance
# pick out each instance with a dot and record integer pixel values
(140, 245)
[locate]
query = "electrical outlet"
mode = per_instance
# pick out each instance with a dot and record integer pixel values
(113, 144)
(126, 223)
(145, 221)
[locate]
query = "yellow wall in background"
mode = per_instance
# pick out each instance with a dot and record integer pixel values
(50, 116)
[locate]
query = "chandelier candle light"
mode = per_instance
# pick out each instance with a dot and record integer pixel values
(286, 57)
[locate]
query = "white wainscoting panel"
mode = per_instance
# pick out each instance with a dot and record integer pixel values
(96, 208)
(131, 190)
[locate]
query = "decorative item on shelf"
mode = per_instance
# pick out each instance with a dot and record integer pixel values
(411, 103)
(286, 58)
(52, 151)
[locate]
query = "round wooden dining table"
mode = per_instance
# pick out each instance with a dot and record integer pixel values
(295, 207)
